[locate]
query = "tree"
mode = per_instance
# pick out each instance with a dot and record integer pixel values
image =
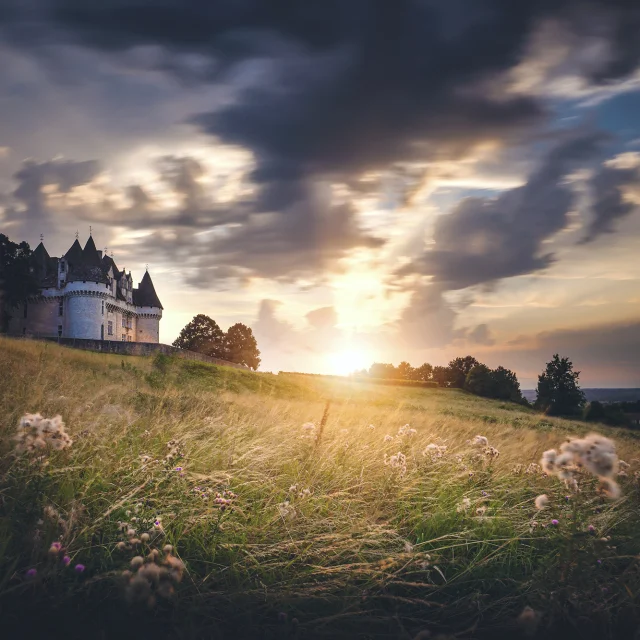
(423, 372)
(382, 370)
(459, 369)
(594, 412)
(558, 392)
(405, 371)
(480, 381)
(506, 385)
(441, 375)
(17, 277)
(240, 346)
(202, 335)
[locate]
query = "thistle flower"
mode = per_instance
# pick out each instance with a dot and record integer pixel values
(480, 511)
(594, 453)
(542, 501)
(406, 430)
(79, 568)
(480, 441)
(397, 461)
(66, 560)
(434, 451)
(555, 522)
(36, 433)
(388, 438)
(55, 547)
(308, 426)
(31, 573)
(464, 505)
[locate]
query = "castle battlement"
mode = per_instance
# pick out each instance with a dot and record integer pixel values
(84, 295)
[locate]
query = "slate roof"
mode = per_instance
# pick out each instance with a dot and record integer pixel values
(145, 295)
(90, 265)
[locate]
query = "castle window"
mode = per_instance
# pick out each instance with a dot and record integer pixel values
(124, 322)
(62, 267)
(60, 308)
(129, 338)
(59, 331)
(124, 337)
(25, 309)
(110, 328)
(103, 307)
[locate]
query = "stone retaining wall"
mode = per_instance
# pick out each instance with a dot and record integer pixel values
(139, 349)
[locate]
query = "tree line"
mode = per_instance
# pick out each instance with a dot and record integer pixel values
(558, 392)
(461, 373)
(237, 345)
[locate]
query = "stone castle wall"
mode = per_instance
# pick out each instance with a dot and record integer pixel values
(148, 327)
(140, 349)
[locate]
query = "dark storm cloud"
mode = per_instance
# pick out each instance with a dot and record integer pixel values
(481, 335)
(28, 205)
(609, 203)
(327, 90)
(485, 239)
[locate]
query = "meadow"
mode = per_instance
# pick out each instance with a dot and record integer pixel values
(284, 506)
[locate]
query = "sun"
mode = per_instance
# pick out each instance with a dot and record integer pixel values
(346, 361)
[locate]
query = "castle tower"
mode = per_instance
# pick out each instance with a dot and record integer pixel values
(149, 310)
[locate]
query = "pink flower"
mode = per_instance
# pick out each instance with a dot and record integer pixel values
(66, 560)
(32, 573)
(79, 568)
(591, 528)
(554, 522)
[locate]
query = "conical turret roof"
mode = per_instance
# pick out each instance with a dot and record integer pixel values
(145, 295)
(90, 255)
(74, 255)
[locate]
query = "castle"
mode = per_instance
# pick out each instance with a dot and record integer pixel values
(84, 295)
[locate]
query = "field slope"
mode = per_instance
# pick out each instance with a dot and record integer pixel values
(318, 532)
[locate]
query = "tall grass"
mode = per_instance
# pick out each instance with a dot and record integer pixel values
(365, 552)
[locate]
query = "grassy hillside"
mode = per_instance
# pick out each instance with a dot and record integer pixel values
(316, 536)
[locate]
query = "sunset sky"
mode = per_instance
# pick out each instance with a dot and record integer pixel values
(358, 181)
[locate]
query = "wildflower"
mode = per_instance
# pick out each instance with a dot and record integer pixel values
(66, 561)
(287, 510)
(308, 426)
(406, 430)
(293, 488)
(388, 438)
(591, 529)
(397, 461)
(480, 511)
(178, 469)
(594, 453)
(55, 547)
(555, 522)
(480, 441)
(31, 573)
(37, 433)
(542, 501)
(79, 568)
(464, 505)
(434, 451)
